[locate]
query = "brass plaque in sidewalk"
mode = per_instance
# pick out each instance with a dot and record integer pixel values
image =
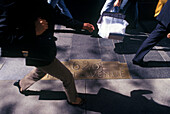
(95, 69)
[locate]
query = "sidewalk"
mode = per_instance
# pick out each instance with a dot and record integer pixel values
(116, 96)
(146, 91)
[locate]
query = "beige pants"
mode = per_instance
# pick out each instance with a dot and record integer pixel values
(56, 69)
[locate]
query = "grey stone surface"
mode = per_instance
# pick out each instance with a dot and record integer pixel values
(47, 97)
(74, 45)
(102, 96)
(14, 69)
(129, 96)
(84, 47)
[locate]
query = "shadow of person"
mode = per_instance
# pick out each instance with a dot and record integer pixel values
(47, 94)
(151, 64)
(130, 44)
(77, 31)
(110, 102)
(133, 41)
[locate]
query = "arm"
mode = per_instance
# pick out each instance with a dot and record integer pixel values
(55, 16)
(72, 23)
(117, 3)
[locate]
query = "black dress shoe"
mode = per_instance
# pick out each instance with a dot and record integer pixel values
(141, 63)
(19, 88)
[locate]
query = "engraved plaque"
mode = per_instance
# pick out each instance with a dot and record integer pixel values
(95, 69)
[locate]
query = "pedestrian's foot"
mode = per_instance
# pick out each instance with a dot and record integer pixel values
(79, 102)
(19, 87)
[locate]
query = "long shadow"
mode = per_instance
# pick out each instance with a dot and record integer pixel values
(83, 32)
(47, 95)
(129, 45)
(157, 64)
(110, 102)
(133, 41)
(72, 31)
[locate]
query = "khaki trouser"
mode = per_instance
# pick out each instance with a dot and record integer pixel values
(56, 69)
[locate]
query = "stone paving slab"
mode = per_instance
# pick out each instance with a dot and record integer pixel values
(129, 96)
(46, 97)
(84, 47)
(147, 96)
(13, 68)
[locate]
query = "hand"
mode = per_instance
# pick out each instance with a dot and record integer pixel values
(88, 26)
(41, 25)
(117, 3)
(168, 35)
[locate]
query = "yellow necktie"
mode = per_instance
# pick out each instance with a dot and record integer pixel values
(159, 7)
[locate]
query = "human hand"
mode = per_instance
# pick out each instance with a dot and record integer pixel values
(117, 3)
(168, 35)
(88, 26)
(41, 25)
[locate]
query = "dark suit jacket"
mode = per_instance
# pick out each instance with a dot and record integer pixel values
(164, 16)
(17, 29)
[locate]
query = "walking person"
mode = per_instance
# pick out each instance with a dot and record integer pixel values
(122, 6)
(161, 31)
(111, 6)
(30, 32)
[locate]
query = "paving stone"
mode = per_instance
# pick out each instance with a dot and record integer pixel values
(85, 48)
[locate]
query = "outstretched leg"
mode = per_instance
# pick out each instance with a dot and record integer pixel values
(157, 34)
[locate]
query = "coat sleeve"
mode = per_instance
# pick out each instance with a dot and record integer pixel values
(67, 21)
(54, 15)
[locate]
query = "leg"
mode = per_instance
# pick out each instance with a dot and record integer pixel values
(53, 2)
(130, 8)
(158, 34)
(124, 2)
(35, 75)
(58, 70)
(49, 1)
(64, 9)
(107, 6)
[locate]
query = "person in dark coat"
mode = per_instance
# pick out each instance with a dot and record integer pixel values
(161, 31)
(27, 27)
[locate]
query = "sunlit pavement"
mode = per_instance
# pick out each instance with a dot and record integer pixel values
(145, 91)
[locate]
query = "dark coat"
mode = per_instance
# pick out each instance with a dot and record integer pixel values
(164, 16)
(17, 29)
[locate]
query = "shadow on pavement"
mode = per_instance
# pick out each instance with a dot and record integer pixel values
(157, 64)
(47, 94)
(94, 34)
(72, 31)
(130, 44)
(110, 102)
